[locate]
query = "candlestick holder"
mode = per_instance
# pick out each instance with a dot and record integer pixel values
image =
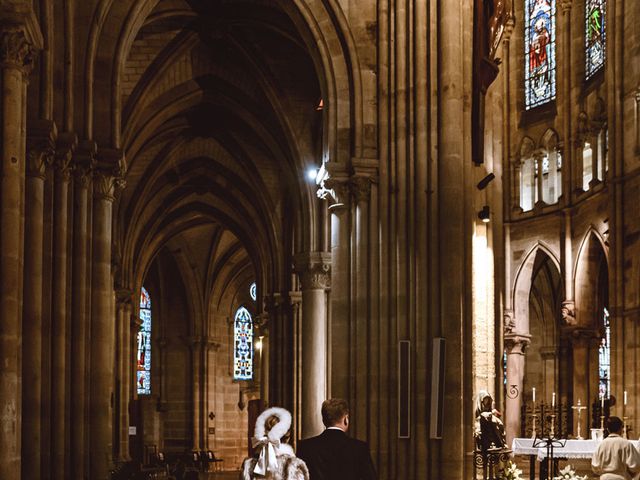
(552, 430)
(579, 408)
(602, 422)
(534, 433)
(624, 427)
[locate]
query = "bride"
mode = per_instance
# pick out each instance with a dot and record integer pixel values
(275, 458)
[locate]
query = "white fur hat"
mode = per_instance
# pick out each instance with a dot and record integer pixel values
(279, 429)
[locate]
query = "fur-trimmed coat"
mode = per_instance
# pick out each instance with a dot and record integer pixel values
(290, 467)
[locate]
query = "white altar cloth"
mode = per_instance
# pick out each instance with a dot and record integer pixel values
(572, 449)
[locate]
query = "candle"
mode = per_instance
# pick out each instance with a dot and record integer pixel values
(534, 395)
(553, 399)
(602, 403)
(625, 396)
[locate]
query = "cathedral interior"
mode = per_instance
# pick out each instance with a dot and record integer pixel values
(208, 207)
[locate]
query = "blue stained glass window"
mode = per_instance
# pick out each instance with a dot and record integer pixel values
(253, 291)
(540, 52)
(143, 366)
(595, 37)
(604, 359)
(243, 345)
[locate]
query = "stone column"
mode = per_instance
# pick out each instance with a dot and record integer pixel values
(196, 345)
(79, 318)
(59, 330)
(515, 345)
(568, 305)
(15, 60)
(537, 167)
(314, 269)
(340, 383)
(361, 193)
(102, 327)
(39, 156)
(124, 309)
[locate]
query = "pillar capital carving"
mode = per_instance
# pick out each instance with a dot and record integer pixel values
(568, 313)
(40, 147)
(516, 343)
(581, 336)
(340, 188)
(548, 353)
(16, 51)
(509, 321)
(109, 174)
(85, 162)
(314, 269)
(124, 297)
(65, 146)
(361, 187)
(565, 5)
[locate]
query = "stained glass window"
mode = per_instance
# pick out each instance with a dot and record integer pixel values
(143, 366)
(540, 52)
(253, 291)
(243, 345)
(594, 36)
(604, 359)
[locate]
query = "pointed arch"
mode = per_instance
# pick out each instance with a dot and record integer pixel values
(522, 283)
(590, 279)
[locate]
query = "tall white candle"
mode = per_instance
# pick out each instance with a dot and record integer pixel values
(534, 395)
(602, 403)
(625, 396)
(553, 399)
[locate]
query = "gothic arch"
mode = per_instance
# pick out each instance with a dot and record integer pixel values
(522, 284)
(591, 263)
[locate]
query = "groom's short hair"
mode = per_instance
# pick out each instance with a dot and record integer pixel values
(333, 410)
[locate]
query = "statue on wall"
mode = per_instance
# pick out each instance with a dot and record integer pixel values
(490, 19)
(489, 429)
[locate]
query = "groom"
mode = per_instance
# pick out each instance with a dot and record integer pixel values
(333, 455)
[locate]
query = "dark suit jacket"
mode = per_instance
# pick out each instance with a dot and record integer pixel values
(333, 455)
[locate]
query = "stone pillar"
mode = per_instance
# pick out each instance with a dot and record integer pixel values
(15, 60)
(568, 305)
(124, 310)
(80, 319)
(39, 156)
(340, 383)
(515, 345)
(196, 345)
(102, 327)
(537, 167)
(59, 328)
(361, 193)
(314, 269)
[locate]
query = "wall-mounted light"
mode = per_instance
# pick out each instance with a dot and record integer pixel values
(312, 174)
(259, 342)
(485, 214)
(482, 184)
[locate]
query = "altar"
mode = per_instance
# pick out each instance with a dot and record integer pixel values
(569, 449)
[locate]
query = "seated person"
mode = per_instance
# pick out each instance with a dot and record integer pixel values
(489, 429)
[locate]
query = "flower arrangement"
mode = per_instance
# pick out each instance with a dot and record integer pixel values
(567, 473)
(511, 472)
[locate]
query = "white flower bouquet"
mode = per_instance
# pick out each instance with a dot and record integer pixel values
(511, 472)
(567, 473)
